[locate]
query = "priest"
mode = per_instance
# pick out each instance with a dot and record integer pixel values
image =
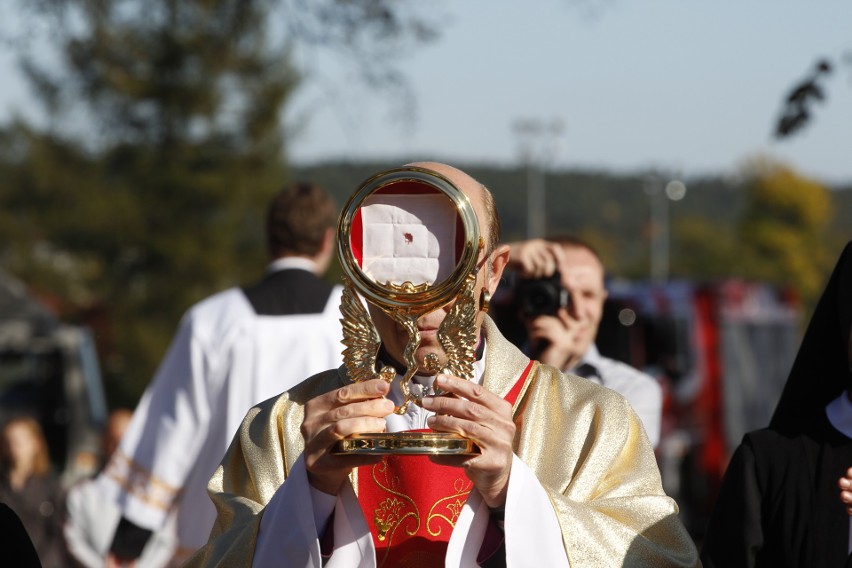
(564, 474)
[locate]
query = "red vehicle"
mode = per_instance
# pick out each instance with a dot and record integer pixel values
(722, 352)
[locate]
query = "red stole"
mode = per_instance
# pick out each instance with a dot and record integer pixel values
(412, 504)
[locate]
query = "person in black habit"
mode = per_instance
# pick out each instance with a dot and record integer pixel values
(18, 547)
(778, 505)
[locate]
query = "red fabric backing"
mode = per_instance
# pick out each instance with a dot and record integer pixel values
(412, 504)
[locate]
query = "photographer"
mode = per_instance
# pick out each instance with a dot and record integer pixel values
(560, 295)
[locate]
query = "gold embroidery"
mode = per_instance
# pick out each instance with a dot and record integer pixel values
(392, 512)
(388, 517)
(452, 503)
(140, 482)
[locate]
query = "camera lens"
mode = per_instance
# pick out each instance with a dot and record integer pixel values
(540, 296)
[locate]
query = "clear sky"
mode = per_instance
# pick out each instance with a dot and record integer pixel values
(682, 85)
(686, 86)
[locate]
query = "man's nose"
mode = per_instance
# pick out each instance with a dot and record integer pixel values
(576, 305)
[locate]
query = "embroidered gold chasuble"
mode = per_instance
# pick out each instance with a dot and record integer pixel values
(583, 441)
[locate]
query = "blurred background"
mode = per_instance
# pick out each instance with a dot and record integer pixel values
(703, 149)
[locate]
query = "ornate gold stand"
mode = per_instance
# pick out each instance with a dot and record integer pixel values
(407, 443)
(405, 302)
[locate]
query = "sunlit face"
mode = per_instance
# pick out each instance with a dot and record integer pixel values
(395, 337)
(583, 276)
(23, 445)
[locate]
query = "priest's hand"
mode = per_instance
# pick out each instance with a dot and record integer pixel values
(845, 484)
(355, 408)
(478, 414)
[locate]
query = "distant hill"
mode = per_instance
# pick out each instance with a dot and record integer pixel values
(610, 210)
(575, 199)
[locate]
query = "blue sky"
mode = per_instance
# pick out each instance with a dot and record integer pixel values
(685, 86)
(688, 86)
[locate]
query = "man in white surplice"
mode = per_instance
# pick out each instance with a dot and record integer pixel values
(230, 351)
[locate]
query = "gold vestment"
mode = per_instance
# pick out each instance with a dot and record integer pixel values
(583, 441)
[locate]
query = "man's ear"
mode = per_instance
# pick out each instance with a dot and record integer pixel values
(499, 260)
(329, 239)
(326, 251)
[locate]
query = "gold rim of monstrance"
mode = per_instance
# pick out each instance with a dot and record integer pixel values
(411, 297)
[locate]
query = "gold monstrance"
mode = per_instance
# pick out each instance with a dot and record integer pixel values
(376, 280)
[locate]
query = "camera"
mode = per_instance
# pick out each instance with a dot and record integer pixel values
(541, 296)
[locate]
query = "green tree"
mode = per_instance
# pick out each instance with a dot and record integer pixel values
(703, 249)
(143, 189)
(784, 226)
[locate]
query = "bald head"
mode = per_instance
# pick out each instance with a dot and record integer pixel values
(479, 195)
(395, 336)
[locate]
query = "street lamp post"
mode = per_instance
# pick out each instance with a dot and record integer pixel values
(538, 142)
(660, 196)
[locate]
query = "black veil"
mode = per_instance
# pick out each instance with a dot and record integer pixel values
(821, 369)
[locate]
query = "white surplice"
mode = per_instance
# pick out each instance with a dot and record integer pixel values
(223, 359)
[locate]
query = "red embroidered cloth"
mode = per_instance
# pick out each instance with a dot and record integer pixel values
(412, 504)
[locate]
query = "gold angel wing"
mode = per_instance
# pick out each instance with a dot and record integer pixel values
(457, 333)
(360, 338)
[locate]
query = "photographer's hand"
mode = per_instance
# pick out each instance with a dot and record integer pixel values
(535, 258)
(555, 339)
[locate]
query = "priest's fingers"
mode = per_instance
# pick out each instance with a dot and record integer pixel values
(475, 412)
(490, 470)
(486, 434)
(354, 392)
(326, 471)
(319, 418)
(331, 472)
(486, 419)
(355, 408)
(467, 390)
(325, 440)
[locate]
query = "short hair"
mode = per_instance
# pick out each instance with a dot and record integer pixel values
(493, 220)
(41, 464)
(297, 220)
(573, 241)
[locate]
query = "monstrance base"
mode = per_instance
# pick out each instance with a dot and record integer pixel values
(407, 443)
